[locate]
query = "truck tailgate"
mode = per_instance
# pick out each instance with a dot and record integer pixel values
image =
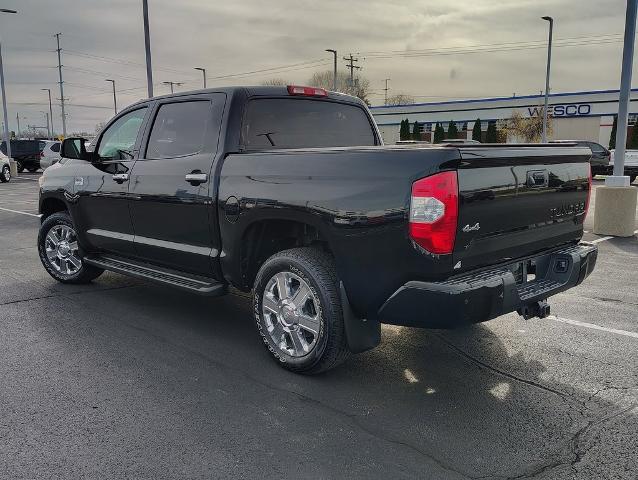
(515, 201)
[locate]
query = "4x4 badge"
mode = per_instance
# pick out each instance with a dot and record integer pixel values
(473, 228)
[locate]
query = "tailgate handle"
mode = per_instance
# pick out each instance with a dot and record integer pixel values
(537, 178)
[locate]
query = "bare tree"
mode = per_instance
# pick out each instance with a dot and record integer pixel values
(401, 99)
(360, 88)
(275, 82)
(527, 129)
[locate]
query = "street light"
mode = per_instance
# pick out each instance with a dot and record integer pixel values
(549, 62)
(46, 115)
(50, 111)
(7, 139)
(147, 47)
(203, 70)
(114, 97)
(334, 75)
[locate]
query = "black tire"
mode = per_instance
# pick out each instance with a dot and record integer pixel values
(20, 166)
(5, 174)
(632, 178)
(317, 270)
(85, 274)
(33, 168)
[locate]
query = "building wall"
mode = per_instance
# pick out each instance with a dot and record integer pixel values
(578, 128)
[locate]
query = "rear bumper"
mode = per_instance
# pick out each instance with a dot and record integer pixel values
(482, 295)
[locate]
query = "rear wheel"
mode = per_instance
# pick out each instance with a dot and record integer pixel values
(5, 174)
(298, 312)
(60, 253)
(20, 166)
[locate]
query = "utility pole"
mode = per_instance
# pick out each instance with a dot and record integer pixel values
(57, 36)
(203, 70)
(334, 74)
(549, 63)
(352, 68)
(172, 84)
(50, 111)
(386, 91)
(147, 46)
(18, 122)
(114, 97)
(7, 138)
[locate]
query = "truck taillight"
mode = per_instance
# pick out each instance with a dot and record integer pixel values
(434, 211)
(307, 91)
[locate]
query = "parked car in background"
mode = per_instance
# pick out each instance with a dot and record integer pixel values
(5, 168)
(461, 141)
(599, 156)
(26, 153)
(50, 153)
(631, 164)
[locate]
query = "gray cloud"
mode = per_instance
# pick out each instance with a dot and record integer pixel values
(242, 36)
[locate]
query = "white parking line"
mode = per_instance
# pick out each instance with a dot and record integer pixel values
(21, 213)
(593, 326)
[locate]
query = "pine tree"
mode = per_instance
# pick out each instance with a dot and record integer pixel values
(439, 134)
(416, 131)
(490, 135)
(452, 130)
(476, 131)
(612, 138)
(632, 142)
(405, 125)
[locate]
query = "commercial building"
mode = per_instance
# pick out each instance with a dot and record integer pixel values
(575, 115)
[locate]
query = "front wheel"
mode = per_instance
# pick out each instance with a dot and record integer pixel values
(298, 311)
(59, 251)
(5, 174)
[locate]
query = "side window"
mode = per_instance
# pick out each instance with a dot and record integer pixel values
(179, 129)
(119, 138)
(55, 148)
(595, 148)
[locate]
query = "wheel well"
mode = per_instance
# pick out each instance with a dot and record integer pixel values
(51, 206)
(265, 238)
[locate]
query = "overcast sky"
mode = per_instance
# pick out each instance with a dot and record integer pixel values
(104, 39)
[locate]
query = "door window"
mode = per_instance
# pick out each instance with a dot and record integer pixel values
(119, 138)
(179, 129)
(55, 147)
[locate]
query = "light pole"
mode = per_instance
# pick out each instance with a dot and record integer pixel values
(334, 74)
(147, 47)
(386, 91)
(549, 63)
(114, 97)
(203, 70)
(50, 111)
(46, 115)
(7, 139)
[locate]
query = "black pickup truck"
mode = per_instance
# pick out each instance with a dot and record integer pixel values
(288, 192)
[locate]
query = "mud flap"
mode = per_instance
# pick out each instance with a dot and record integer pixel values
(362, 334)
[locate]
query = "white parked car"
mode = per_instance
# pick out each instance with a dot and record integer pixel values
(5, 168)
(50, 153)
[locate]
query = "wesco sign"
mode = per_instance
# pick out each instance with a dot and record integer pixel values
(566, 110)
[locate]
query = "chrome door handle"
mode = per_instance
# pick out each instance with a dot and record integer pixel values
(120, 177)
(196, 178)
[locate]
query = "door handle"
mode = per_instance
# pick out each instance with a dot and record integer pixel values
(195, 178)
(120, 177)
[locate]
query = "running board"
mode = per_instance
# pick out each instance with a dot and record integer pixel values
(153, 273)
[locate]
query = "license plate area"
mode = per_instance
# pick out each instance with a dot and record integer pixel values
(524, 272)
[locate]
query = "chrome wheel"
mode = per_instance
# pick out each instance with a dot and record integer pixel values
(292, 314)
(6, 173)
(61, 247)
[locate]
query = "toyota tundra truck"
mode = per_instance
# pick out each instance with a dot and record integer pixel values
(289, 193)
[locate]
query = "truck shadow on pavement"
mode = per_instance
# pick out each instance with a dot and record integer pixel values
(428, 404)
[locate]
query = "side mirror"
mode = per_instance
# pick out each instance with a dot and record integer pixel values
(74, 148)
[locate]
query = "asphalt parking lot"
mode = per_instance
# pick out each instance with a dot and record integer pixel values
(121, 379)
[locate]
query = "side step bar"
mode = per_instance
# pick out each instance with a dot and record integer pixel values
(153, 273)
